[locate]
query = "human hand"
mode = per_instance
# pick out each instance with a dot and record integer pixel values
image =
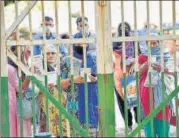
(156, 67)
(36, 69)
(78, 79)
(122, 96)
(50, 85)
(92, 78)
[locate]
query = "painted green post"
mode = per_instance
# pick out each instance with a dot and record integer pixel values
(4, 79)
(104, 69)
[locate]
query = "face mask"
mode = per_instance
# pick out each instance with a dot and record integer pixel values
(155, 50)
(48, 29)
(85, 30)
(118, 51)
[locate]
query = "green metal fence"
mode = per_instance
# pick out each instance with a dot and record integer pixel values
(105, 81)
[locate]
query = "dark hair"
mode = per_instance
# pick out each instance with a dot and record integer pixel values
(126, 25)
(127, 29)
(47, 18)
(79, 19)
(79, 50)
(65, 36)
(13, 48)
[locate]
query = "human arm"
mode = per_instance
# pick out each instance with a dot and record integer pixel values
(118, 74)
(143, 64)
(158, 68)
(117, 84)
(66, 83)
(25, 84)
(14, 80)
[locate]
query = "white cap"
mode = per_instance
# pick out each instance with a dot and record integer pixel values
(51, 48)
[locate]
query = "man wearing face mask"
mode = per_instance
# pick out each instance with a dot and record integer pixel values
(87, 33)
(49, 35)
(92, 84)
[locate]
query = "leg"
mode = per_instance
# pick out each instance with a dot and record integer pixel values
(161, 131)
(129, 118)
(27, 128)
(148, 127)
(68, 128)
(122, 110)
(135, 114)
(120, 104)
(13, 121)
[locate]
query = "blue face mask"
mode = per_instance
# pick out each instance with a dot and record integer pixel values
(86, 30)
(155, 50)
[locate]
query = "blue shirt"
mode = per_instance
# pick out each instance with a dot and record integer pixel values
(91, 46)
(38, 48)
(79, 103)
(92, 95)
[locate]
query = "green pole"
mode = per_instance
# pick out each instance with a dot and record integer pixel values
(4, 79)
(104, 69)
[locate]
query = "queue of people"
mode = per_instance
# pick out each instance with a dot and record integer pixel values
(77, 107)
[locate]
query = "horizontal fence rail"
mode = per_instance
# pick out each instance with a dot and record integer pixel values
(55, 100)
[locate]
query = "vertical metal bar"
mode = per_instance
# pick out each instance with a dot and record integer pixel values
(124, 71)
(71, 66)
(58, 69)
(137, 67)
(85, 66)
(5, 130)
(104, 69)
(175, 67)
(45, 65)
(32, 70)
(162, 64)
(19, 72)
(149, 59)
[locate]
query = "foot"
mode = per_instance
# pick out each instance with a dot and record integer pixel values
(129, 128)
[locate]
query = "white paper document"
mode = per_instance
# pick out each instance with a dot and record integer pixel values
(37, 62)
(52, 78)
(87, 71)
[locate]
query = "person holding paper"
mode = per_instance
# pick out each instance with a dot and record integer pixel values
(144, 64)
(52, 85)
(118, 75)
(78, 66)
(92, 86)
(169, 80)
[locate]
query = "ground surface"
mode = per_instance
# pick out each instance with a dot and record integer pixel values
(120, 128)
